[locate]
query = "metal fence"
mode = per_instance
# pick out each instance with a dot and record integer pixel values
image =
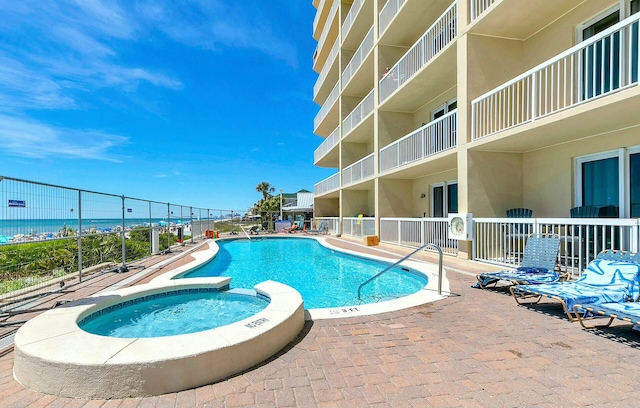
(416, 232)
(502, 240)
(53, 236)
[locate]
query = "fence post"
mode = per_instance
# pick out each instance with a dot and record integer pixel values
(79, 235)
(635, 230)
(150, 231)
(124, 247)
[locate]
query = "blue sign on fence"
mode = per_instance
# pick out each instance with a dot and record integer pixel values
(17, 203)
(129, 210)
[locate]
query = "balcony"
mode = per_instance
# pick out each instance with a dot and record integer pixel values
(358, 114)
(326, 147)
(326, 185)
(432, 138)
(330, 69)
(358, 58)
(359, 170)
(600, 66)
(435, 40)
(351, 17)
(387, 14)
(329, 32)
(327, 118)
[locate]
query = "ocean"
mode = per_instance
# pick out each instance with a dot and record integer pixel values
(9, 228)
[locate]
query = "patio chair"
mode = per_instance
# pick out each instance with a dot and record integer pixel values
(613, 277)
(254, 230)
(538, 264)
(323, 228)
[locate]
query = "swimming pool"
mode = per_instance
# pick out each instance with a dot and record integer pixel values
(324, 277)
(173, 313)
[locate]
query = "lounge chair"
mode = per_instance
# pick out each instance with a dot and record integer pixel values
(323, 228)
(254, 230)
(613, 277)
(538, 264)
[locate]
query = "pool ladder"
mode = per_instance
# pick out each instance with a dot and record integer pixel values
(404, 259)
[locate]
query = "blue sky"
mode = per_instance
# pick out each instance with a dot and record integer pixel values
(191, 102)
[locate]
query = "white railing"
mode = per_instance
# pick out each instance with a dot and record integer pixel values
(361, 53)
(316, 19)
(333, 224)
(387, 14)
(358, 170)
(477, 7)
(358, 226)
(326, 106)
(416, 232)
(327, 27)
(326, 146)
(328, 184)
(502, 240)
(438, 36)
(357, 115)
(605, 63)
(432, 138)
(351, 17)
(326, 68)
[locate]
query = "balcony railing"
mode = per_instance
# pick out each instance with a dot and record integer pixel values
(605, 63)
(326, 146)
(326, 106)
(356, 116)
(387, 14)
(333, 224)
(350, 18)
(328, 184)
(502, 240)
(438, 36)
(358, 170)
(327, 28)
(361, 53)
(477, 7)
(416, 232)
(432, 138)
(358, 226)
(326, 68)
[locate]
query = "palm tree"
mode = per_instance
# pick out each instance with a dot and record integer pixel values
(265, 188)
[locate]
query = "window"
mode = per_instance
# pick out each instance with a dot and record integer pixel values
(610, 179)
(443, 109)
(444, 199)
(601, 60)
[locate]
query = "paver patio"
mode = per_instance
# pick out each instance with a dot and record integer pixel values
(476, 348)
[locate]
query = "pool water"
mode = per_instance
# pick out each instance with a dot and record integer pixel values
(325, 278)
(172, 313)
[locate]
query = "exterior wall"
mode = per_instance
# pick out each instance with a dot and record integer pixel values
(495, 183)
(528, 165)
(395, 198)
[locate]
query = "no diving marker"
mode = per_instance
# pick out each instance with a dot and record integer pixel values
(256, 323)
(344, 310)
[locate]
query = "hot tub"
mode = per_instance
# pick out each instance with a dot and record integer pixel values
(54, 355)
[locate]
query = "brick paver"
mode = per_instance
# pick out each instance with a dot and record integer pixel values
(476, 348)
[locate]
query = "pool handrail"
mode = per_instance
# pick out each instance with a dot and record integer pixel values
(245, 232)
(405, 258)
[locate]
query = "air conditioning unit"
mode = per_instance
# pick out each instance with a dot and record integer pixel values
(460, 227)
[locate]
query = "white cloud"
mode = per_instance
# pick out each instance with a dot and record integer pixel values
(24, 137)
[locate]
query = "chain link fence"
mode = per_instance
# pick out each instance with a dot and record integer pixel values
(52, 237)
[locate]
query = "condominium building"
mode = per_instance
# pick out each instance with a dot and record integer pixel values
(431, 107)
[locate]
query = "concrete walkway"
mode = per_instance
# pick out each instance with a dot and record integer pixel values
(476, 348)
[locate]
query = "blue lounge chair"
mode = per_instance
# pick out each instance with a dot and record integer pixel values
(538, 264)
(613, 277)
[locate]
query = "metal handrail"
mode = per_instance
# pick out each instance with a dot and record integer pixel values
(402, 260)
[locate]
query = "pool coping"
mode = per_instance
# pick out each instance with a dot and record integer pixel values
(54, 356)
(425, 295)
